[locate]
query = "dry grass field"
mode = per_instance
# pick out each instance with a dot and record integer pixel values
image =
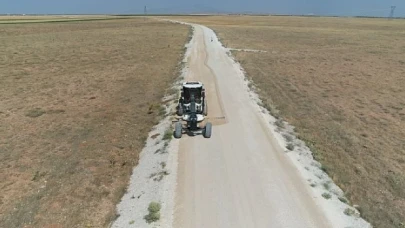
(54, 18)
(341, 83)
(77, 101)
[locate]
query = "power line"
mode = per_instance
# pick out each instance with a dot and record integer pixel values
(392, 11)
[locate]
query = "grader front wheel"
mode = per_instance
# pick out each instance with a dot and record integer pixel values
(207, 130)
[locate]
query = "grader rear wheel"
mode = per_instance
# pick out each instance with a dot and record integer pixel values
(178, 130)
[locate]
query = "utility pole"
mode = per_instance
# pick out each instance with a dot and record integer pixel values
(392, 11)
(145, 12)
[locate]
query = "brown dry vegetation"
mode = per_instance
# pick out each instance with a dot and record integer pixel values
(56, 18)
(341, 82)
(77, 101)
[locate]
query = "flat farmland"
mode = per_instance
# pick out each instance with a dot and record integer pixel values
(77, 101)
(340, 82)
(18, 19)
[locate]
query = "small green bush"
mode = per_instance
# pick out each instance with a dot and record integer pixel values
(288, 137)
(280, 123)
(326, 185)
(349, 212)
(343, 199)
(152, 217)
(154, 207)
(326, 195)
(168, 134)
(154, 214)
(163, 164)
(290, 146)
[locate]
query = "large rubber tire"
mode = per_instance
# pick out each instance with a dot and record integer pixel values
(180, 110)
(205, 113)
(207, 130)
(178, 130)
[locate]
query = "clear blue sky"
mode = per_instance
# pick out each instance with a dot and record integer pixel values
(324, 7)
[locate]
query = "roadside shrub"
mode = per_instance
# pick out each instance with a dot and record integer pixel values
(152, 217)
(326, 195)
(154, 214)
(280, 123)
(343, 199)
(326, 185)
(288, 137)
(168, 134)
(290, 146)
(349, 212)
(154, 207)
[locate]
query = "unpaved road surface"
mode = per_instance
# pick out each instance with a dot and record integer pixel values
(240, 177)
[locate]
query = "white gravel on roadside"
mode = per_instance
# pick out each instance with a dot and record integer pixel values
(158, 155)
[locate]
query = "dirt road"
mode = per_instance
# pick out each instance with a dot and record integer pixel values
(240, 177)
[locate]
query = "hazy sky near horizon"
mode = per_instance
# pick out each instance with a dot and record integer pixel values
(321, 7)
